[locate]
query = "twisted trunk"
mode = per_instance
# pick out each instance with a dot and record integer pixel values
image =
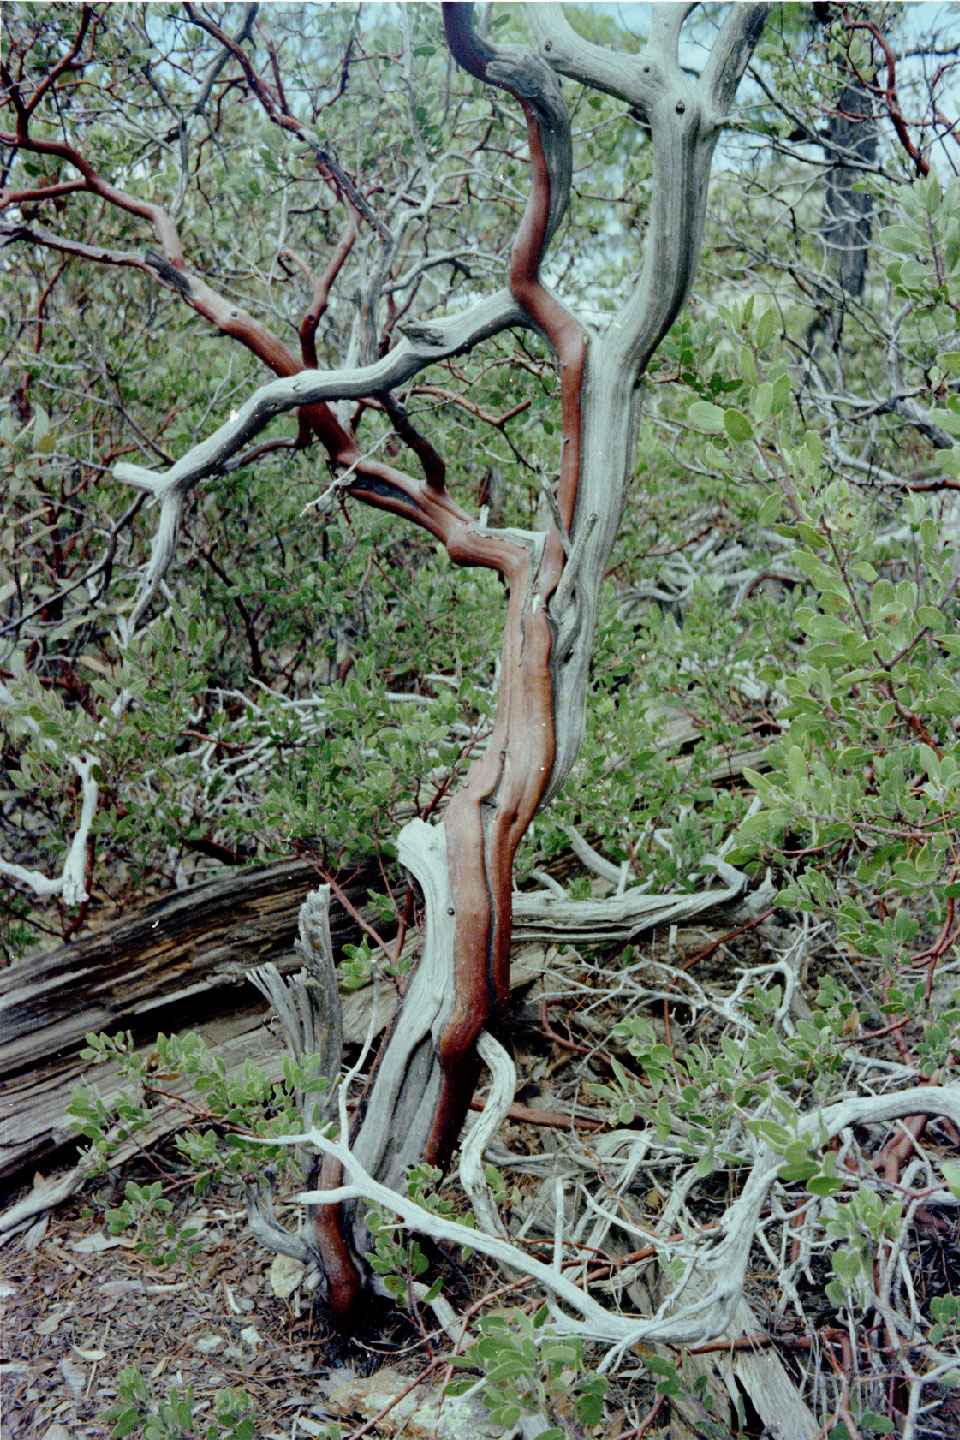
(428, 1069)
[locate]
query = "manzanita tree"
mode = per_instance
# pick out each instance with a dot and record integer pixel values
(426, 1073)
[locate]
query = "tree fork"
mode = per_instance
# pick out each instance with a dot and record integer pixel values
(489, 815)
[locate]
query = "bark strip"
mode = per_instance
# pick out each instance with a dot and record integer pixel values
(489, 815)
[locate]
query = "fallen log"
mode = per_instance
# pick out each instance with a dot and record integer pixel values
(178, 963)
(540, 915)
(155, 964)
(37, 1129)
(181, 963)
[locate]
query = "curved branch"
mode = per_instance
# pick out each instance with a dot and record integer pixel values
(616, 74)
(739, 34)
(531, 81)
(434, 469)
(890, 97)
(421, 346)
(281, 115)
(724, 1259)
(489, 815)
(639, 80)
(24, 109)
(321, 290)
(503, 1087)
(71, 883)
(685, 118)
(666, 22)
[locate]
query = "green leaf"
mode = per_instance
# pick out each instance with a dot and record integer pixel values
(762, 401)
(901, 240)
(948, 420)
(737, 426)
(951, 1173)
(875, 1424)
(824, 1185)
(777, 1136)
(800, 1171)
(706, 416)
(770, 509)
(808, 535)
(781, 394)
(766, 327)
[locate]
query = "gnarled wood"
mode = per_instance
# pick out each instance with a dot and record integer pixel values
(425, 1077)
(177, 963)
(157, 963)
(553, 596)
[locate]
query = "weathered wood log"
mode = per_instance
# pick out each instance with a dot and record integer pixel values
(33, 1111)
(182, 962)
(157, 963)
(178, 963)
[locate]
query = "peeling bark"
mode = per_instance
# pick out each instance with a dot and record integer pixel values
(429, 1068)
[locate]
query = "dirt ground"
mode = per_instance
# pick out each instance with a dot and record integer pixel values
(79, 1305)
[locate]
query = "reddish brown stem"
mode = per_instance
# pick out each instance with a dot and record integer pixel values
(282, 116)
(431, 460)
(321, 291)
(890, 96)
(488, 817)
(497, 421)
(24, 109)
(554, 1119)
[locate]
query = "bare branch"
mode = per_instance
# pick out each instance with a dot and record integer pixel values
(422, 345)
(741, 30)
(725, 1259)
(614, 73)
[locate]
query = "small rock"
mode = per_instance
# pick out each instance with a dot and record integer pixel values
(285, 1275)
(58, 1432)
(250, 1335)
(209, 1344)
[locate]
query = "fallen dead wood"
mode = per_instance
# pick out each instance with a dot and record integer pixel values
(36, 1126)
(540, 915)
(178, 963)
(725, 1374)
(157, 962)
(181, 963)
